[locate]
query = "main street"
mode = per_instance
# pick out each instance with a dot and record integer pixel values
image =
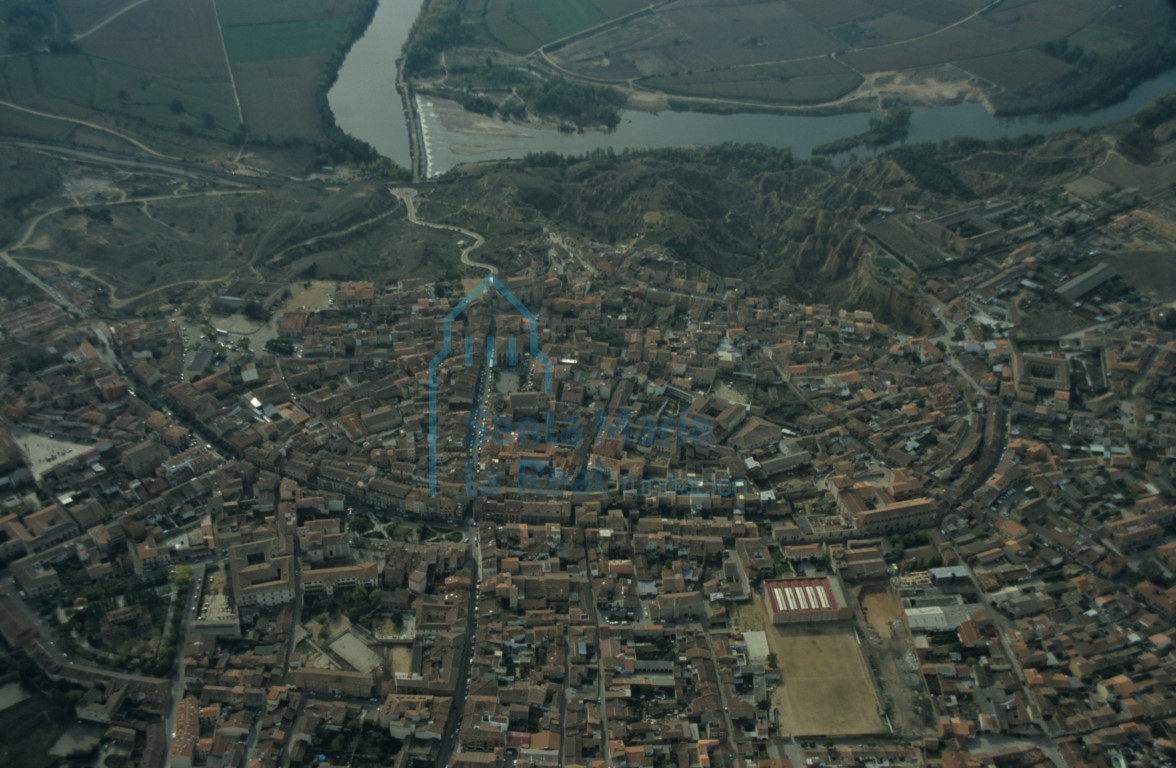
(449, 743)
(601, 672)
(182, 603)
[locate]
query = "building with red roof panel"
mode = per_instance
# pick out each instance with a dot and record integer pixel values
(805, 599)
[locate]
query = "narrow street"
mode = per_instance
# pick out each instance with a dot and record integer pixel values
(601, 699)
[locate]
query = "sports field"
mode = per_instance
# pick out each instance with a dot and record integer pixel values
(827, 688)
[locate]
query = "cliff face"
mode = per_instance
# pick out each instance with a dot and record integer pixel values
(889, 304)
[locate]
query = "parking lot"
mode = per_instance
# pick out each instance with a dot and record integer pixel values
(43, 451)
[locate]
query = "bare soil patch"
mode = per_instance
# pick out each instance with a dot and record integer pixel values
(881, 608)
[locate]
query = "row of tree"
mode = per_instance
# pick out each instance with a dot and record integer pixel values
(437, 28)
(579, 103)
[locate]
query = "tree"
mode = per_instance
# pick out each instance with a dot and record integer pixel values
(176, 106)
(209, 120)
(182, 576)
(243, 343)
(255, 312)
(773, 662)
(280, 346)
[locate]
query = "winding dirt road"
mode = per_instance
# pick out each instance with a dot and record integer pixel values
(408, 197)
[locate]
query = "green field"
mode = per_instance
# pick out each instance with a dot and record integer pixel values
(826, 14)
(812, 80)
(1101, 39)
(163, 65)
(242, 12)
(283, 40)
(85, 14)
(1025, 67)
(742, 50)
(274, 97)
(57, 84)
(569, 16)
(524, 25)
(163, 51)
(13, 122)
(124, 88)
(77, 86)
(1008, 28)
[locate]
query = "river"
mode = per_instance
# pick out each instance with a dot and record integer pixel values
(367, 106)
(364, 98)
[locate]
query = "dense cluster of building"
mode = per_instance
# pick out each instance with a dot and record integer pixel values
(530, 525)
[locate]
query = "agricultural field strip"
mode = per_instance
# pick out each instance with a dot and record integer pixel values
(291, 39)
(229, 69)
(589, 31)
(130, 139)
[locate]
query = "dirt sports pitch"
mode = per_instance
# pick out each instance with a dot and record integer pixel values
(827, 688)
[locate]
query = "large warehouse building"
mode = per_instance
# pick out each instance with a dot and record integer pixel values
(805, 599)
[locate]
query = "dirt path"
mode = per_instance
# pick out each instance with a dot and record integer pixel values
(408, 196)
(115, 302)
(220, 33)
(330, 235)
(95, 126)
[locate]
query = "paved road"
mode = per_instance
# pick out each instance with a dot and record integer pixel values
(183, 603)
(602, 700)
(457, 714)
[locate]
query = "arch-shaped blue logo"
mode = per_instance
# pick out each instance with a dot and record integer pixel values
(476, 423)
